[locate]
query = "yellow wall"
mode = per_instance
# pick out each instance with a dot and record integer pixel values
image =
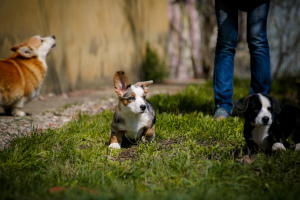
(94, 38)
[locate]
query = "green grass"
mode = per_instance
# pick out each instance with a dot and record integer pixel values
(192, 157)
(196, 98)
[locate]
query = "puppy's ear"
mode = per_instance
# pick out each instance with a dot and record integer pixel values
(121, 83)
(241, 105)
(275, 104)
(144, 85)
(25, 51)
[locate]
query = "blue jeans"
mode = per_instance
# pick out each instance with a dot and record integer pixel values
(227, 19)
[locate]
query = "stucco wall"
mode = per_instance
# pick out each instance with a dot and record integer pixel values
(94, 37)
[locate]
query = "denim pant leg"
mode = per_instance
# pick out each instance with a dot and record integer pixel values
(259, 49)
(227, 20)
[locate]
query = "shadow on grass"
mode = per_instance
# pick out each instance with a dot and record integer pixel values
(193, 98)
(200, 98)
(287, 90)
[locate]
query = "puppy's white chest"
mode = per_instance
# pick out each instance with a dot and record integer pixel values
(134, 126)
(259, 135)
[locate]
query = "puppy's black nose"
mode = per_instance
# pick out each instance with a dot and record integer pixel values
(265, 120)
(143, 107)
(53, 36)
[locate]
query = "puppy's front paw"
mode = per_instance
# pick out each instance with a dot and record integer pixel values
(297, 148)
(115, 146)
(278, 147)
(18, 113)
(150, 140)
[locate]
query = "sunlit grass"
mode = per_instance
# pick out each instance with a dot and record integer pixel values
(192, 157)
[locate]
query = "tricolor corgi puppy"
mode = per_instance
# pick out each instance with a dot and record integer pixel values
(135, 115)
(267, 124)
(22, 74)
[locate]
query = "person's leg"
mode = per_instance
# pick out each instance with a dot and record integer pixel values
(227, 19)
(259, 49)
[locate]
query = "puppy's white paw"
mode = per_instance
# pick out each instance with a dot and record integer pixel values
(18, 113)
(278, 147)
(297, 148)
(115, 145)
(150, 140)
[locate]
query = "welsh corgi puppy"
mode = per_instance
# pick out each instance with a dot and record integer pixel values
(267, 124)
(135, 115)
(22, 74)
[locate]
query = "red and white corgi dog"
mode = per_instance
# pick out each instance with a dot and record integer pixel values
(22, 74)
(134, 116)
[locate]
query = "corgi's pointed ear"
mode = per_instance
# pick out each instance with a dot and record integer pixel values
(121, 83)
(241, 105)
(144, 85)
(27, 52)
(14, 48)
(24, 51)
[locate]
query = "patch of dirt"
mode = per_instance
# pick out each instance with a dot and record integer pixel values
(131, 150)
(128, 154)
(167, 144)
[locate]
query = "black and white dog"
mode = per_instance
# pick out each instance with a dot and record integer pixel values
(267, 124)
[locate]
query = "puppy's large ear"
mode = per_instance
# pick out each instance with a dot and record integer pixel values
(144, 85)
(241, 105)
(121, 83)
(275, 104)
(24, 51)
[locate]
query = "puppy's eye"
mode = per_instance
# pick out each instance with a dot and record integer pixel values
(144, 97)
(269, 108)
(42, 40)
(131, 98)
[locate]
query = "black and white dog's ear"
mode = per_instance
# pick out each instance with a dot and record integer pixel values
(275, 104)
(241, 105)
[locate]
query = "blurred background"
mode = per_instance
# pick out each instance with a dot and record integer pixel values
(161, 40)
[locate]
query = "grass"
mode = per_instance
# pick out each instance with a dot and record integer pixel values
(196, 98)
(192, 157)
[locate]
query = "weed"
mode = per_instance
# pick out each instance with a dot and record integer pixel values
(155, 68)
